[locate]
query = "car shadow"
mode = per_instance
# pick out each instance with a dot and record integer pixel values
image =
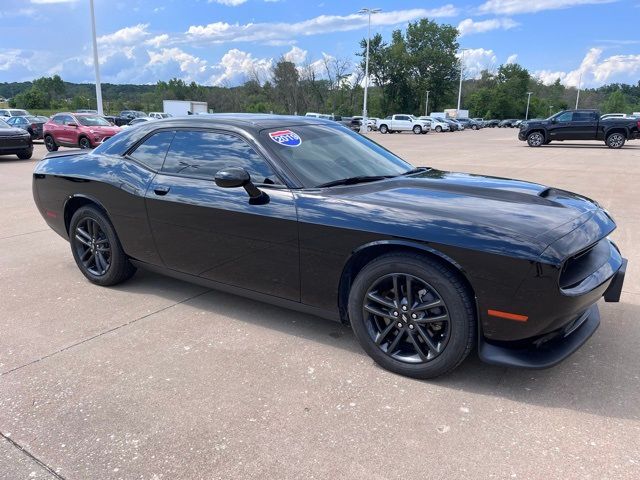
(584, 145)
(600, 379)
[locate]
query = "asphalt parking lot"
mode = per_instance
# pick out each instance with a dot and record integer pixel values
(160, 379)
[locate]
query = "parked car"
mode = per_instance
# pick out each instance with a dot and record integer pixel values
(436, 124)
(493, 123)
(15, 141)
(507, 123)
(403, 123)
(138, 121)
(159, 115)
(13, 112)
(77, 130)
(517, 123)
(480, 121)
(580, 125)
(125, 117)
(87, 110)
(424, 265)
(356, 122)
(469, 123)
(31, 123)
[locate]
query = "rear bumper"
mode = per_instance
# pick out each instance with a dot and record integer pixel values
(546, 351)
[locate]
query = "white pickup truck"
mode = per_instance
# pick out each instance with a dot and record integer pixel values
(403, 123)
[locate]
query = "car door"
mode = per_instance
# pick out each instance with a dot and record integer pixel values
(404, 123)
(584, 125)
(216, 233)
(560, 127)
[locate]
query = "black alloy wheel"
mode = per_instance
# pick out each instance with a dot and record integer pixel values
(92, 246)
(412, 314)
(96, 248)
(407, 318)
(84, 143)
(50, 143)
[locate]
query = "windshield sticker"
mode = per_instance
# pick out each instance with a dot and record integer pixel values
(286, 138)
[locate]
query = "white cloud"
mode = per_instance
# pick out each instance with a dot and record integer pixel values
(595, 71)
(229, 3)
(126, 36)
(158, 40)
(470, 26)
(296, 55)
(222, 32)
(512, 7)
(191, 67)
(512, 59)
(237, 67)
(477, 59)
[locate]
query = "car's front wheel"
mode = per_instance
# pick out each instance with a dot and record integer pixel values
(96, 248)
(25, 154)
(417, 129)
(84, 143)
(535, 139)
(615, 140)
(438, 129)
(50, 143)
(412, 315)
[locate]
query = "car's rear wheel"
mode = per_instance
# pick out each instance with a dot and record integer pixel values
(412, 315)
(417, 129)
(25, 154)
(96, 248)
(615, 140)
(384, 129)
(84, 143)
(50, 143)
(535, 139)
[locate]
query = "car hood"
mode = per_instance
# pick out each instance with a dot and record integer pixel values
(466, 208)
(12, 132)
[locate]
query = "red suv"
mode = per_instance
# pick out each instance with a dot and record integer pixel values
(82, 130)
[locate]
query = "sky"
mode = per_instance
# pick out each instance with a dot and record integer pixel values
(226, 42)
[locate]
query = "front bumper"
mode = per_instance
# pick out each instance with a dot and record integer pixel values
(548, 350)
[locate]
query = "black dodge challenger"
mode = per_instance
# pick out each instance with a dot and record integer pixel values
(423, 264)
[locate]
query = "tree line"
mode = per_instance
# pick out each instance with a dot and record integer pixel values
(402, 69)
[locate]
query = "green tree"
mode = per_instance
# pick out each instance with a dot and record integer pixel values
(615, 103)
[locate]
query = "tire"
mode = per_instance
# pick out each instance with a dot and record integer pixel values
(535, 139)
(438, 129)
(615, 140)
(84, 143)
(474, 127)
(96, 248)
(417, 129)
(384, 129)
(50, 143)
(403, 349)
(25, 154)
(369, 129)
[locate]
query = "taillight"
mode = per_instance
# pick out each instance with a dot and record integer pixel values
(638, 124)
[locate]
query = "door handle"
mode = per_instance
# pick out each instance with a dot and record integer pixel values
(161, 190)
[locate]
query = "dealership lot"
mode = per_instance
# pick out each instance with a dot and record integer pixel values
(159, 379)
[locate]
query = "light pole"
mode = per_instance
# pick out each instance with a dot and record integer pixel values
(96, 65)
(426, 105)
(461, 72)
(579, 85)
(365, 120)
(526, 117)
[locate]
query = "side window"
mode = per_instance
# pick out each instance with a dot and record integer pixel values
(58, 119)
(202, 154)
(153, 150)
(583, 117)
(565, 117)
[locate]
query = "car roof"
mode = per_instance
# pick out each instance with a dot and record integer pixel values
(253, 121)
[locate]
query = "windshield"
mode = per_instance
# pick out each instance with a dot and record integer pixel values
(319, 154)
(4, 124)
(93, 121)
(19, 113)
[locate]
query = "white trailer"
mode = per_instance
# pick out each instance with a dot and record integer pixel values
(180, 108)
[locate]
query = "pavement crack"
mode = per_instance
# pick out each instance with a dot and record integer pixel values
(25, 233)
(32, 457)
(68, 347)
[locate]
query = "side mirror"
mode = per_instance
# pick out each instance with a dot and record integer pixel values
(234, 177)
(553, 120)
